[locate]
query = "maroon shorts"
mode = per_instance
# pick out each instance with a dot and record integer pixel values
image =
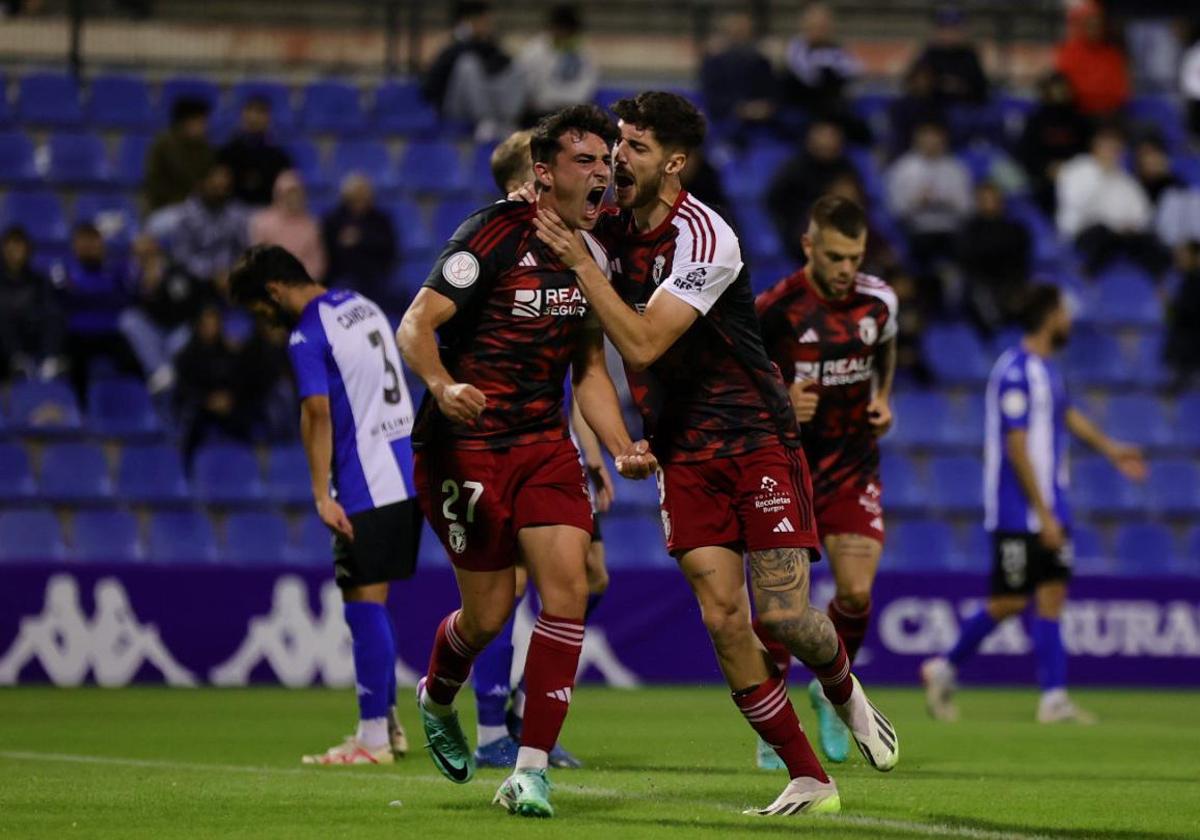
(476, 500)
(755, 501)
(853, 509)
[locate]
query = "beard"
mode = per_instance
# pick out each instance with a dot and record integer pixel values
(1059, 339)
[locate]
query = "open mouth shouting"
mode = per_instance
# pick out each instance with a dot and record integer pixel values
(592, 202)
(625, 186)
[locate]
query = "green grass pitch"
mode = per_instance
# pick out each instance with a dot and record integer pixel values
(662, 763)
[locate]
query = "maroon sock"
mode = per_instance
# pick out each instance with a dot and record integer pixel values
(450, 662)
(851, 626)
(770, 712)
(835, 676)
(780, 655)
(550, 667)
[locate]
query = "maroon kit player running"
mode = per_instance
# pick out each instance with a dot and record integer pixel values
(495, 469)
(832, 330)
(734, 479)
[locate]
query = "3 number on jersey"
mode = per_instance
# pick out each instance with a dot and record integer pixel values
(391, 389)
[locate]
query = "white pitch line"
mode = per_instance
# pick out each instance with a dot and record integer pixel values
(908, 826)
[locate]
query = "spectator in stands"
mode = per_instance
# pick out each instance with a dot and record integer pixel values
(557, 67)
(958, 77)
(929, 192)
(1055, 132)
(994, 253)
(288, 223)
(1152, 168)
(1178, 218)
(254, 158)
(209, 395)
(737, 81)
(158, 323)
(31, 325)
(917, 105)
(817, 69)
(210, 231)
(266, 382)
(1104, 210)
(1189, 81)
(803, 180)
(1182, 348)
(180, 156)
(473, 79)
(1094, 65)
(701, 179)
(360, 240)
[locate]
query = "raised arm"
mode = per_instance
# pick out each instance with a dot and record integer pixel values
(1126, 458)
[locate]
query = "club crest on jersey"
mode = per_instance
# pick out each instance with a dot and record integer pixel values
(461, 269)
(656, 272)
(768, 484)
(868, 330)
(457, 535)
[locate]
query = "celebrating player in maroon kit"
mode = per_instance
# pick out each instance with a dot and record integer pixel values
(832, 332)
(495, 470)
(734, 478)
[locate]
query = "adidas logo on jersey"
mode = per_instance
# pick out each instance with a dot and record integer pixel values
(563, 694)
(784, 527)
(810, 337)
(528, 260)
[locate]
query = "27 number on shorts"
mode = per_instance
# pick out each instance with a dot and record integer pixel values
(451, 488)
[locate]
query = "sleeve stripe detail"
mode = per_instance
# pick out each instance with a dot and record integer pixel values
(703, 214)
(699, 235)
(490, 234)
(691, 223)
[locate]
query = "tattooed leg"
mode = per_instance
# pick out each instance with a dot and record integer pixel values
(779, 578)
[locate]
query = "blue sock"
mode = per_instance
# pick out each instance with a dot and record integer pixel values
(970, 637)
(374, 656)
(490, 677)
(392, 671)
(1050, 654)
(593, 602)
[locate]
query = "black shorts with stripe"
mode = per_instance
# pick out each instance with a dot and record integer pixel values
(1020, 563)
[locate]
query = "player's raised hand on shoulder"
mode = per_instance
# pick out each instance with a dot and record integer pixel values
(564, 242)
(525, 193)
(804, 399)
(879, 415)
(602, 486)
(334, 517)
(637, 462)
(1128, 460)
(460, 402)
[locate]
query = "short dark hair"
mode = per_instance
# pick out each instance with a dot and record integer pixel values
(565, 16)
(543, 143)
(676, 122)
(85, 227)
(1037, 305)
(841, 214)
(186, 107)
(257, 100)
(15, 232)
(264, 264)
(469, 9)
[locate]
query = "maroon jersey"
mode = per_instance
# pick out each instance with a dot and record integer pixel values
(833, 342)
(519, 319)
(714, 393)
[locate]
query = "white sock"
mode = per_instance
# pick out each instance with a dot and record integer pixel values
(530, 759)
(518, 703)
(490, 734)
(373, 733)
(1054, 695)
(434, 708)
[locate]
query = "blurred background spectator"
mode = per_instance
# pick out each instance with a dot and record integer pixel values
(252, 155)
(360, 240)
(210, 230)
(958, 76)
(179, 156)
(804, 178)
(1054, 132)
(556, 66)
(994, 253)
(1189, 80)
(737, 82)
(817, 70)
(31, 328)
(1152, 168)
(211, 396)
(287, 222)
(1182, 348)
(1093, 64)
(917, 104)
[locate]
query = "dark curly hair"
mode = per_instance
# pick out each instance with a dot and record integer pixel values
(676, 122)
(260, 265)
(588, 119)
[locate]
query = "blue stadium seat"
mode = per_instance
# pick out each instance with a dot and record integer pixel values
(964, 425)
(1145, 549)
(748, 177)
(18, 484)
(105, 536)
(607, 95)
(287, 481)
(431, 553)
(120, 102)
(1149, 369)
(17, 166)
(411, 230)
(129, 169)
(448, 216)
(1173, 488)
(903, 489)
(758, 233)
(1186, 167)
(306, 159)
(333, 108)
(1188, 407)
(1160, 114)
(49, 99)
(255, 539)
(75, 472)
(975, 552)
(43, 407)
(40, 212)
(278, 94)
(122, 408)
(312, 545)
(1124, 295)
(1094, 358)
(1090, 555)
(368, 157)
(1138, 419)
(30, 535)
(227, 474)
(921, 418)
(635, 541)
(1096, 487)
(431, 166)
(5, 110)
(191, 87)
(920, 544)
(482, 182)
(955, 354)
(400, 109)
(115, 214)
(77, 160)
(151, 474)
(956, 483)
(1047, 249)
(181, 537)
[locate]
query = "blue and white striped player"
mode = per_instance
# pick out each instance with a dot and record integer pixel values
(1028, 418)
(356, 416)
